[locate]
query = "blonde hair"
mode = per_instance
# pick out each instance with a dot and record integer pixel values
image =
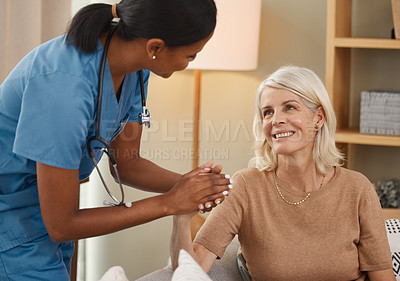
(306, 84)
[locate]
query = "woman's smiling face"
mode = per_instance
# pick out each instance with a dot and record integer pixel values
(288, 124)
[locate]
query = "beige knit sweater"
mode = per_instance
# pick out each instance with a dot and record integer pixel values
(336, 234)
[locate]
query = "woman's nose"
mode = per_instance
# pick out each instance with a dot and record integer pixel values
(279, 118)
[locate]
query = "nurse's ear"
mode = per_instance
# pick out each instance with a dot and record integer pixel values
(154, 46)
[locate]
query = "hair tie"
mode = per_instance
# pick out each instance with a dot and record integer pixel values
(114, 11)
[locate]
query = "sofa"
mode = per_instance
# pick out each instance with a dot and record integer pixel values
(232, 265)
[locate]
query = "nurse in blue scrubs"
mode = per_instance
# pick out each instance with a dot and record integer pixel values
(48, 110)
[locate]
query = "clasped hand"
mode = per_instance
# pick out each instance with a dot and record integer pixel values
(200, 190)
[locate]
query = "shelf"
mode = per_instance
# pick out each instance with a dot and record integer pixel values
(354, 137)
(391, 213)
(368, 43)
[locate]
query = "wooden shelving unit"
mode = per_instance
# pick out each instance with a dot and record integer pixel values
(339, 43)
(366, 43)
(353, 136)
(391, 213)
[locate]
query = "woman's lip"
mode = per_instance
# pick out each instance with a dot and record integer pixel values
(282, 134)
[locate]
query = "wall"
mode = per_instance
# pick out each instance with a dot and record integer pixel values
(24, 24)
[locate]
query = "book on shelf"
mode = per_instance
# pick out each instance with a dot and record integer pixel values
(380, 112)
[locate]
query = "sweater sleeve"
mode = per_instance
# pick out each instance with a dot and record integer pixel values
(373, 248)
(224, 221)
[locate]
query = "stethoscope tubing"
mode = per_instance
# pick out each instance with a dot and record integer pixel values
(97, 137)
(101, 80)
(144, 118)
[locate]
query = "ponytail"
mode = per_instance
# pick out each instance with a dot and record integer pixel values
(87, 26)
(177, 22)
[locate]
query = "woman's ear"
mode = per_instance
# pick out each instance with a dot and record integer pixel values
(320, 117)
(154, 46)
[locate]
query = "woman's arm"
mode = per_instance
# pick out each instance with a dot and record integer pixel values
(382, 275)
(135, 170)
(59, 191)
(181, 239)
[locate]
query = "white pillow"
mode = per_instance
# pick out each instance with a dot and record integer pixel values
(393, 233)
(115, 273)
(188, 269)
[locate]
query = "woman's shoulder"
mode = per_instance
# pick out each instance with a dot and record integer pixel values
(56, 57)
(351, 175)
(356, 180)
(250, 174)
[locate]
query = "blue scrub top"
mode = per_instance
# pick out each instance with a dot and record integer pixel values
(48, 107)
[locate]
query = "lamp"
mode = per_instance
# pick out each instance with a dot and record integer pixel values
(234, 46)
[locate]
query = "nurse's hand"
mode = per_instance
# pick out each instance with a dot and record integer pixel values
(198, 187)
(208, 206)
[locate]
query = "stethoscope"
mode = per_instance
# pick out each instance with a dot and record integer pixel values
(144, 119)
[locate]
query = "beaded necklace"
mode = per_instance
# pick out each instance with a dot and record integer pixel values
(298, 202)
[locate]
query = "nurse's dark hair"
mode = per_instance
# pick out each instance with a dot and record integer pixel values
(177, 22)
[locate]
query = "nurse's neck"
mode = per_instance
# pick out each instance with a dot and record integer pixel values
(123, 57)
(118, 82)
(118, 91)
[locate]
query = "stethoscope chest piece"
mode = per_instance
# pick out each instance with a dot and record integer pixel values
(145, 118)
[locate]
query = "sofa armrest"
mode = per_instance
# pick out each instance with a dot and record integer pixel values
(226, 268)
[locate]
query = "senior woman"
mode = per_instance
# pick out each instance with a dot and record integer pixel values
(298, 214)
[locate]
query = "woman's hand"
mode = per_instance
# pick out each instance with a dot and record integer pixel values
(201, 186)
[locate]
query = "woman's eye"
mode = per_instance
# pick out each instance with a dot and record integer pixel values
(290, 107)
(267, 113)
